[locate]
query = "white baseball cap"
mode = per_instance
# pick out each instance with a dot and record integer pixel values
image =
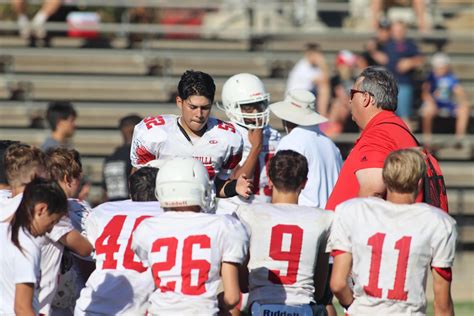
(298, 108)
(440, 59)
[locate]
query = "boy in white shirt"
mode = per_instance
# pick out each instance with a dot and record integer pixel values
(389, 246)
(288, 260)
(189, 251)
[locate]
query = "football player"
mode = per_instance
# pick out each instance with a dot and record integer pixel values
(217, 144)
(288, 261)
(389, 246)
(245, 103)
(121, 283)
(190, 251)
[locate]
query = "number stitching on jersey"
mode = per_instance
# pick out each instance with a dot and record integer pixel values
(153, 121)
(226, 126)
(187, 266)
(292, 256)
(398, 292)
(107, 243)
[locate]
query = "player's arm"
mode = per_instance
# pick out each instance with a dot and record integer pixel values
(248, 168)
(340, 272)
(77, 243)
(320, 275)
(371, 182)
(230, 282)
(443, 302)
(232, 187)
(24, 299)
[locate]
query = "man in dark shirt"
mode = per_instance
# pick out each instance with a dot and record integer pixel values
(117, 167)
(403, 59)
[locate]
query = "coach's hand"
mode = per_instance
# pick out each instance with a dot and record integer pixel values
(244, 186)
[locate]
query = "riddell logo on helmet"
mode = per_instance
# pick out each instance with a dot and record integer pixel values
(176, 203)
(255, 94)
(213, 141)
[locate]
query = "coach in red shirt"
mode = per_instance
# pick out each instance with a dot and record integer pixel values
(373, 104)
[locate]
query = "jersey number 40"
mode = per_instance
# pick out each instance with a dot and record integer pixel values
(107, 244)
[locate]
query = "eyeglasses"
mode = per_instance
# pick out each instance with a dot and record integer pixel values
(354, 91)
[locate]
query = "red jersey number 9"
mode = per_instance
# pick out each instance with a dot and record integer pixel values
(292, 256)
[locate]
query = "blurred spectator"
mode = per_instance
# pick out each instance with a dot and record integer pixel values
(61, 117)
(341, 84)
(311, 73)
(36, 27)
(117, 167)
(400, 10)
(374, 53)
(443, 92)
(403, 59)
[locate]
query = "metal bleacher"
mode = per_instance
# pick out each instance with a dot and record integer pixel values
(106, 84)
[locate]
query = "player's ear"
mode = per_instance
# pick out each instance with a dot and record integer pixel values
(270, 184)
(303, 184)
(179, 102)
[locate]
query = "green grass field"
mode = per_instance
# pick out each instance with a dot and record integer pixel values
(460, 309)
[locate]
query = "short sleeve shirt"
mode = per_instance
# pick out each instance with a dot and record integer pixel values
(397, 51)
(378, 139)
(392, 246)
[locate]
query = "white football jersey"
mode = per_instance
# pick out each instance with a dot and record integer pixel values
(185, 251)
(393, 247)
(51, 254)
(8, 206)
(18, 267)
(285, 240)
(262, 191)
(219, 149)
(120, 284)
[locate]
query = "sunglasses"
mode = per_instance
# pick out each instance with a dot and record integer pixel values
(354, 91)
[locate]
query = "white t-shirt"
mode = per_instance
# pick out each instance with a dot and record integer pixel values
(5, 194)
(393, 245)
(302, 76)
(185, 251)
(9, 206)
(120, 284)
(285, 240)
(324, 163)
(219, 149)
(51, 254)
(17, 267)
(262, 192)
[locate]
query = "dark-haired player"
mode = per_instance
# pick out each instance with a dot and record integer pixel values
(288, 262)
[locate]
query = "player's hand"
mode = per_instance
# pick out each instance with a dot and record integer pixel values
(244, 186)
(256, 138)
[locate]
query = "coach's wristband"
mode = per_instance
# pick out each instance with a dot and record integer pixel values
(229, 189)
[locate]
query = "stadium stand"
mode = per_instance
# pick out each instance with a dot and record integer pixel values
(106, 84)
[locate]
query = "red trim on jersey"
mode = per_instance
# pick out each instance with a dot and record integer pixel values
(336, 252)
(239, 306)
(445, 273)
(143, 156)
(233, 161)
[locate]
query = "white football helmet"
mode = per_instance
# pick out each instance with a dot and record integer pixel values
(183, 182)
(242, 89)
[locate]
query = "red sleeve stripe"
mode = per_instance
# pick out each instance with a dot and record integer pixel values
(336, 252)
(143, 156)
(233, 161)
(445, 273)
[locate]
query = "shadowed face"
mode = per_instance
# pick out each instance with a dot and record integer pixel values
(195, 111)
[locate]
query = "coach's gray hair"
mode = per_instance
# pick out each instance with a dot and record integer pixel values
(382, 86)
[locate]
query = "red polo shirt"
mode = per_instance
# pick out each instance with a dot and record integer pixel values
(370, 150)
